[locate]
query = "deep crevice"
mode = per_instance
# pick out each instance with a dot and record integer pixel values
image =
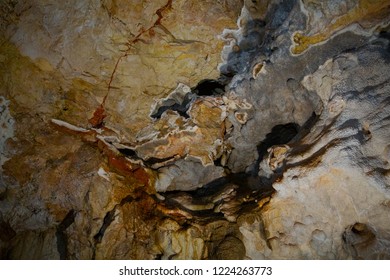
(250, 187)
(6, 231)
(249, 190)
(152, 161)
(208, 87)
(107, 221)
(181, 109)
(132, 154)
(62, 238)
(279, 135)
(128, 153)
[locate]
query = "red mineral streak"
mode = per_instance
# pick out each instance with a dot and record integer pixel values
(116, 162)
(142, 176)
(120, 164)
(97, 121)
(99, 115)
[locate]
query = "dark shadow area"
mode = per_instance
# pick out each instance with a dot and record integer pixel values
(246, 50)
(209, 87)
(174, 105)
(236, 193)
(206, 87)
(62, 237)
(279, 135)
(257, 37)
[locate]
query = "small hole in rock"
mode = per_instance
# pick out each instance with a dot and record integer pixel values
(209, 87)
(128, 152)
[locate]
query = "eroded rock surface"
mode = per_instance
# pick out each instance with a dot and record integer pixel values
(194, 129)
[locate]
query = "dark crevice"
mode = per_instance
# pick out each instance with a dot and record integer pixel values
(218, 162)
(386, 36)
(280, 134)
(379, 170)
(200, 216)
(62, 238)
(128, 153)
(152, 161)
(209, 87)
(179, 104)
(206, 87)
(302, 148)
(181, 109)
(6, 231)
(3, 195)
(306, 127)
(316, 156)
(109, 218)
(127, 199)
(246, 182)
(107, 221)
(249, 190)
(249, 187)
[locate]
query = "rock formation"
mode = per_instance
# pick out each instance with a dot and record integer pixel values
(191, 129)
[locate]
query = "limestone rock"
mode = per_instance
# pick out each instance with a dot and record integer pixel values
(194, 129)
(339, 173)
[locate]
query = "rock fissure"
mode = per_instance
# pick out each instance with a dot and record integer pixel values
(99, 115)
(61, 235)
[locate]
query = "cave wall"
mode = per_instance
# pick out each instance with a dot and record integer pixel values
(194, 129)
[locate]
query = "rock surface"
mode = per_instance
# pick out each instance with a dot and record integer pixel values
(180, 129)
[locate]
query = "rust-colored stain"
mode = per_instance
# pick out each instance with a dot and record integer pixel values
(137, 38)
(365, 10)
(133, 172)
(142, 176)
(120, 164)
(99, 115)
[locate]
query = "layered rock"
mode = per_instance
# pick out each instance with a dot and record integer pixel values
(194, 130)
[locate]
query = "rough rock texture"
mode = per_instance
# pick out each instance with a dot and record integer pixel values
(194, 129)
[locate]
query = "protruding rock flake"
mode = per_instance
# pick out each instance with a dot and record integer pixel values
(103, 173)
(195, 129)
(68, 126)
